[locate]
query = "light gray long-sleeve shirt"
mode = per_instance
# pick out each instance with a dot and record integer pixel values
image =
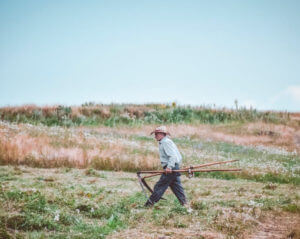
(169, 153)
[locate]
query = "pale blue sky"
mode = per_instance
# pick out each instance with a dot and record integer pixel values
(191, 52)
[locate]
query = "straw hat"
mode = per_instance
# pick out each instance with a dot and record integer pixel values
(161, 129)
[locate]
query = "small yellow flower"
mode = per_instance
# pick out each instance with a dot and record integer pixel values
(88, 195)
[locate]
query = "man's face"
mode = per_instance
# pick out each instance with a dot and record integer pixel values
(159, 136)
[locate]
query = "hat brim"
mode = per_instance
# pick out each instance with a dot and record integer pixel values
(158, 131)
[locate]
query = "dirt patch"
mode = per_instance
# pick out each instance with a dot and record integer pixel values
(277, 226)
(297, 139)
(281, 225)
(174, 233)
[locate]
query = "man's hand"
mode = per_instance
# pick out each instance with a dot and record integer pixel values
(168, 170)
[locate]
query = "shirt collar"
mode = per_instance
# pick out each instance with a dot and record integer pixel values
(163, 139)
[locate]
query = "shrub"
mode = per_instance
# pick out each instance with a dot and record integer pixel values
(116, 114)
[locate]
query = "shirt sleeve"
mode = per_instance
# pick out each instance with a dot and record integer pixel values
(171, 152)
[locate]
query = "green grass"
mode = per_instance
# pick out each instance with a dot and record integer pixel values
(265, 178)
(37, 213)
(294, 208)
(257, 165)
(142, 138)
(65, 203)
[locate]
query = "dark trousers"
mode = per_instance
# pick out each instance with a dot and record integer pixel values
(171, 180)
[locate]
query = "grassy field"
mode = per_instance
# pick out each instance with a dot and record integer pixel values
(87, 203)
(79, 181)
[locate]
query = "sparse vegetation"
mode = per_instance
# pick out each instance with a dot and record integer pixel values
(122, 114)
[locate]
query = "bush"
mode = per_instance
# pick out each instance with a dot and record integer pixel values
(120, 114)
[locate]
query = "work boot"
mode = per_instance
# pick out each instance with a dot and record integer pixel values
(188, 207)
(148, 204)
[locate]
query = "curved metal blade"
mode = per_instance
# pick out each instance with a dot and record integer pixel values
(143, 183)
(142, 186)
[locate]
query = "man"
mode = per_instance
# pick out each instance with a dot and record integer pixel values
(170, 159)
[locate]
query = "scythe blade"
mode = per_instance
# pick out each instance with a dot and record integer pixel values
(143, 183)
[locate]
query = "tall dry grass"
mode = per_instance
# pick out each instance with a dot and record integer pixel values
(22, 145)
(126, 147)
(258, 133)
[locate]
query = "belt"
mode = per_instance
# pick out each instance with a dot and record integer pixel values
(176, 166)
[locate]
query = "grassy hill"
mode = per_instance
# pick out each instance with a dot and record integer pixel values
(69, 172)
(129, 114)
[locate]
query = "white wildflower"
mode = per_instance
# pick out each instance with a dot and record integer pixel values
(253, 203)
(77, 210)
(56, 217)
(190, 210)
